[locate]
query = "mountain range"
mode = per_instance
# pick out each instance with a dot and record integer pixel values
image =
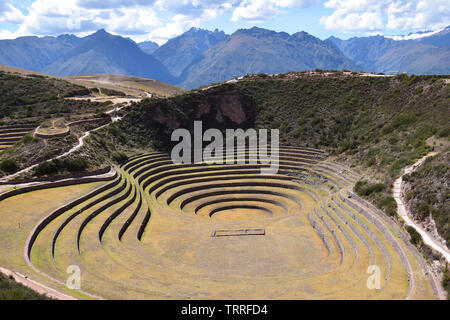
(258, 50)
(424, 55)
(200, 57)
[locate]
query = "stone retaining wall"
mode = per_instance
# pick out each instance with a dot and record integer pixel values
(60, 177)
(56, 184)
(52, 135)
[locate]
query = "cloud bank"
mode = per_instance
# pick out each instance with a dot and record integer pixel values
(380, 15)
(159, 20)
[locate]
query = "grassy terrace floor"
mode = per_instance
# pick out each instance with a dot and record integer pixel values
(148, 234)
(9, 135)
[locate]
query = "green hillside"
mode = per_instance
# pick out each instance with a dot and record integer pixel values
(31, 100)
(378, 125)
(427, 192)
(35, 96)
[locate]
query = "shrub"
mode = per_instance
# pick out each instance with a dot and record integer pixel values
(28, 138)
(119, 157)
(297, 133)
(359, 186)
(362, 188)
(392, 140)
(418, 90)
(446, 281)
(424, 209)
(285, 127)
(399, 164)
(389, 205)
(378, 187)
(112, 92)
(301, 121)
(401, 122)
(416, 238)
(75, 164)
(101, 115)
(58, 165)
(9, 166)
(46, 168)
(443, 133)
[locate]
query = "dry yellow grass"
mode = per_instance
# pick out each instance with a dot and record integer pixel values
(133, 86)
(174, 255)
(19, 214)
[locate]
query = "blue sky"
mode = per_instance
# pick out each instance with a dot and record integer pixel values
(159, 20)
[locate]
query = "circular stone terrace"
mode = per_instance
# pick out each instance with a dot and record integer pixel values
(164, 231)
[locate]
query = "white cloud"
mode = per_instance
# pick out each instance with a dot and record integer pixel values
(187, 14)
(129, 21)
(178, 25)
(255, 10)
(54, 17)
(377, 15)
(140, 19)
(10, 14)
(111, 4)
(260, 10)
(156, 20)
(159, 20)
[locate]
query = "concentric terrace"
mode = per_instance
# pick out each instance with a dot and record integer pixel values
(157, 230)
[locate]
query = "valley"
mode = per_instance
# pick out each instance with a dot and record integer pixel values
(108, 198)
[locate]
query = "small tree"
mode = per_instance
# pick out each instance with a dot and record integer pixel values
(9, 166)
(119, 157)
(416, 238)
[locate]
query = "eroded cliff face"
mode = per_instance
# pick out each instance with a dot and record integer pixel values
(231, 107)
(228, 109)
(166, 119)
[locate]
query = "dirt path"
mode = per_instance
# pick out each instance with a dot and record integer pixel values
(36, 286)
(405, 215)
(73, 149)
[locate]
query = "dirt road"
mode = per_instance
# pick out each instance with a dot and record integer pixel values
(402, 212)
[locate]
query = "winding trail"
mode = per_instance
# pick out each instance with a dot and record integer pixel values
(73, 149)
(402, 212)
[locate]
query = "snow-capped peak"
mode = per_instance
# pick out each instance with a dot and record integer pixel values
(414, 36)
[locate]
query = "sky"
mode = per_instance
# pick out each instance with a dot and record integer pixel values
(160, 20)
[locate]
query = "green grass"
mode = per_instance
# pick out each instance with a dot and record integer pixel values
(30, 96)
(11, 290)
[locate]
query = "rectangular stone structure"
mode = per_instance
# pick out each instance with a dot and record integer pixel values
(238, 232)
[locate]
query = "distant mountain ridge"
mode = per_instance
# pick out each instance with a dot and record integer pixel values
(148, 46)
(424, 55)
(259, 50)
(67, 55)
(34, 53)
(102, 52)
(200, 57)
(179, 52)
